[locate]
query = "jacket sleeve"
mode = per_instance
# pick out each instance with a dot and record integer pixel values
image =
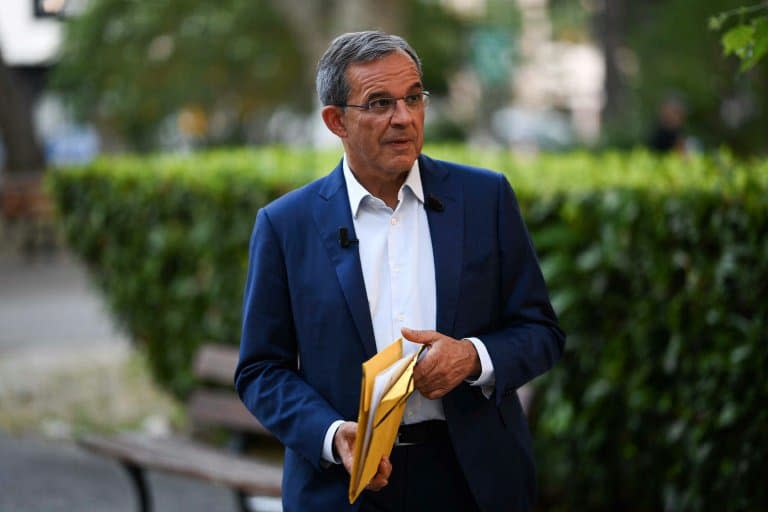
(267, 377)
(530, 340)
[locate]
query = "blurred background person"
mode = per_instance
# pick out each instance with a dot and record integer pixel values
(668, 131)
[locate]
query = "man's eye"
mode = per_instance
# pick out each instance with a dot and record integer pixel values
(413, 99)
(381, 103)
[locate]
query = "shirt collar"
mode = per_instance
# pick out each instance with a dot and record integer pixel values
(357, 192)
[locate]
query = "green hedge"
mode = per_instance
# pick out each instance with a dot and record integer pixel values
(658, 268)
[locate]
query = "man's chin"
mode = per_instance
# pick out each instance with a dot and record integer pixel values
(402, 164)
(404, 160)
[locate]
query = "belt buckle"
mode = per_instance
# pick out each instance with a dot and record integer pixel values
(400, 443)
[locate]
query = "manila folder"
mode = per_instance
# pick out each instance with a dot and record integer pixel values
(387, 384)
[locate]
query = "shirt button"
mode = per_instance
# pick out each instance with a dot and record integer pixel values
(393, 221)
(400, 317)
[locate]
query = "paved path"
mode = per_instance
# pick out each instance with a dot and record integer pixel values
(38, 475)
(49, 303)
(52, 320)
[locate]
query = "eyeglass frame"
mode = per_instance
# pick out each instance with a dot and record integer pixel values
(368, 108)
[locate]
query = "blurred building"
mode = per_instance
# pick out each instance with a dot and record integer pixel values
(536, 92)
(557, 87)
(519, 87)
(30, 39)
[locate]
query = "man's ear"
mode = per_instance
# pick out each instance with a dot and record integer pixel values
(333, 117)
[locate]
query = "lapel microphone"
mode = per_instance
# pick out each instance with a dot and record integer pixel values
(433, 203)
(344, 240)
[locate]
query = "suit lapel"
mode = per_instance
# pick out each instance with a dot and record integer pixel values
(331, 211)
(447, 231)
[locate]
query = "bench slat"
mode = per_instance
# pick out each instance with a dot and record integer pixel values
(214, 364)
(250, 475)
(221, 408)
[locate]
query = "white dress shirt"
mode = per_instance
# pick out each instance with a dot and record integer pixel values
(398, 267)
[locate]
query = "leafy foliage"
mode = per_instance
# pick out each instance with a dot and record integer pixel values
(227, 64)
(659, 403)
(748, 39)
(658, 268)
(134, 63)
(663, 51)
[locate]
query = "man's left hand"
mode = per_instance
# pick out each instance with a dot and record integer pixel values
(448, 362)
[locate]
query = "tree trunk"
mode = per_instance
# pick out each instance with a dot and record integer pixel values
(609, 25)
(22, 150)
(315, 23)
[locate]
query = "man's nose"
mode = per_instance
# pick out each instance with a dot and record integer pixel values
(400, 113)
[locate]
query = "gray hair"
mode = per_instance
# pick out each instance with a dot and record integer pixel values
(351, 48)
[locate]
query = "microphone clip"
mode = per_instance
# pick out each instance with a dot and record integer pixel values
(344, 240)
(433, 203)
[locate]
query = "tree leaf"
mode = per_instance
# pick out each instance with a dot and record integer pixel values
(759, 45)
(716, 22)
(738, 39)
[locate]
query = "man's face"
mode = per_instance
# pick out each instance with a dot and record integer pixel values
(383, 145)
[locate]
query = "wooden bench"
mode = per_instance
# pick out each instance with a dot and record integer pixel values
(207, 407)
(25, 205)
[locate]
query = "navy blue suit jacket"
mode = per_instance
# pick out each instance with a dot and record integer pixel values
(307, 329)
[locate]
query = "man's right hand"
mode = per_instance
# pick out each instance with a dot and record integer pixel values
(344, 442)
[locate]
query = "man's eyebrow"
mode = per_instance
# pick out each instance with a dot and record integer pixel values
(384, 94)
(378, 94)
(416, 85)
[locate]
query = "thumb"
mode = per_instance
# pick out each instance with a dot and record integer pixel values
(424, 337)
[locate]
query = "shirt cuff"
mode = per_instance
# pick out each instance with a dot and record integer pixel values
(328, 442)
(487, 378)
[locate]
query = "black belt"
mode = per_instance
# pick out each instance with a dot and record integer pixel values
(418, 433)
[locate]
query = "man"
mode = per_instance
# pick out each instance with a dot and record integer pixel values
(392, 241)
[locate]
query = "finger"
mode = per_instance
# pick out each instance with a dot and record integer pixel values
(344, 441)
(381, 478)
(347, 459)
(430, 381)
(385, 467)
(426, 367)
(425, 337)
(427, 364)
(430, 387)
(377, 484)
(424, 386)
(420, 375)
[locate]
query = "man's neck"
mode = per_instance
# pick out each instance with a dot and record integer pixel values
(385, 187)
(386, 190)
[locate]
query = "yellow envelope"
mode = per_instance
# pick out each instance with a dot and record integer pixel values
(387, 384)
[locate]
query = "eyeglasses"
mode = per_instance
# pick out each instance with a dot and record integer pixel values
(382, 106)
